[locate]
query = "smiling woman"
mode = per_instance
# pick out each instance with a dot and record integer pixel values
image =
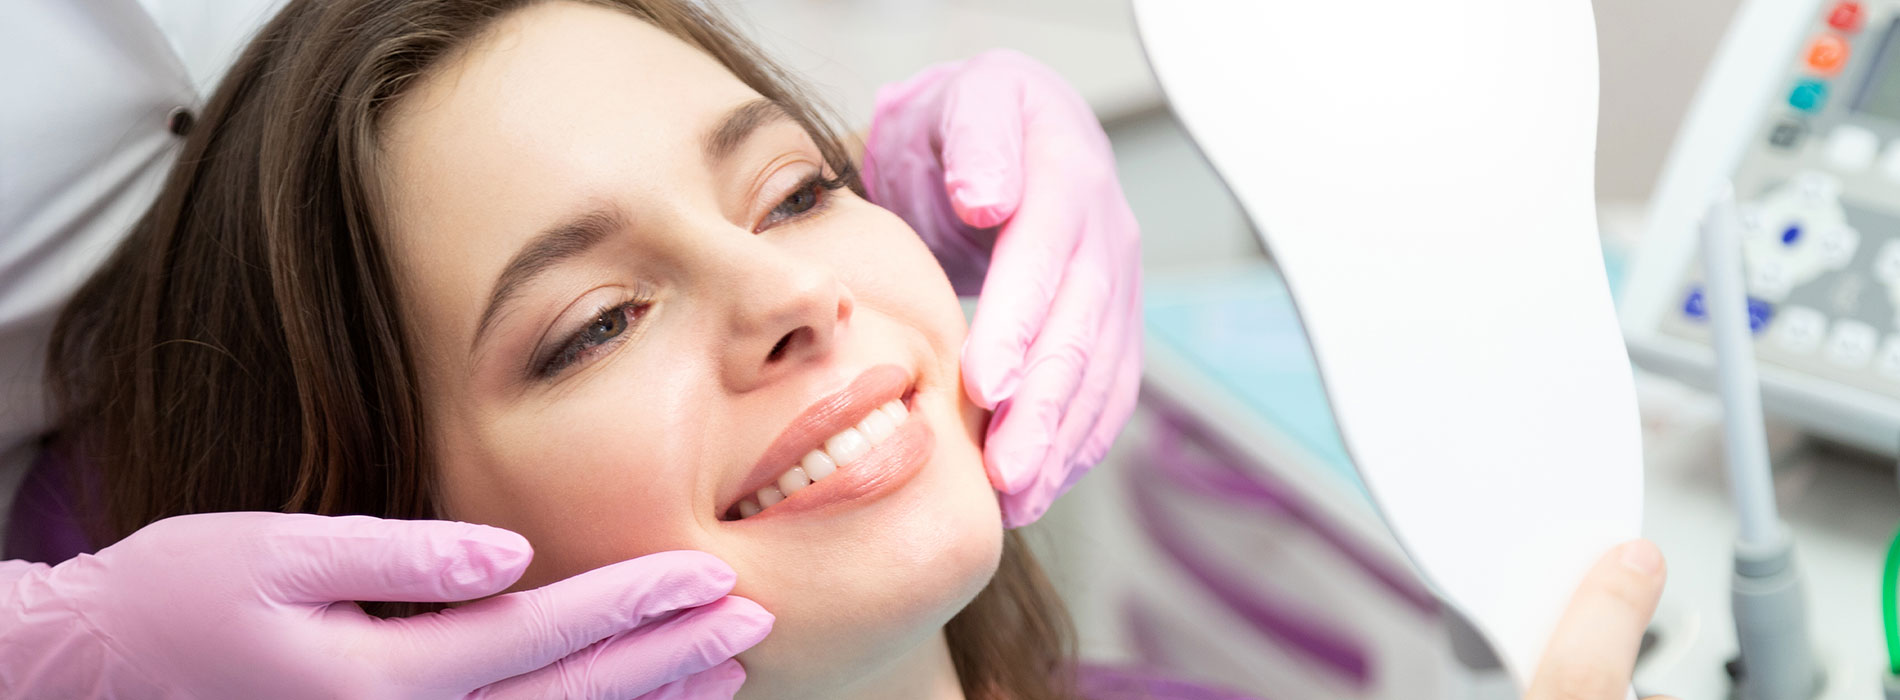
(594, 272)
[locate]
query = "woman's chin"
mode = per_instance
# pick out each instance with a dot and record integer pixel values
(830, 637)
(864, 590)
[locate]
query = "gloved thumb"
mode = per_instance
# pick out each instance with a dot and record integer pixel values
(982, 132)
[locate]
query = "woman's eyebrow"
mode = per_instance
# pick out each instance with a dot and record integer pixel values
(739, 124)
(574, 237)
(562, 242)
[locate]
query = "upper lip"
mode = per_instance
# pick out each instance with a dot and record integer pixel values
(825, 417)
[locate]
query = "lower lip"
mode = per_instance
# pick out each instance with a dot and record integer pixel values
(886, 468)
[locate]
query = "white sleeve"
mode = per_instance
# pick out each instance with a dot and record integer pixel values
(85, 141)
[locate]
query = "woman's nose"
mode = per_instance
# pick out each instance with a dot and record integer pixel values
(784, 313)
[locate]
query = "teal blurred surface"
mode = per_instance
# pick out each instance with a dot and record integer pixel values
(1238, 327)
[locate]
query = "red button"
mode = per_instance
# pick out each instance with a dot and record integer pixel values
(1827, 54)
(1846, 16)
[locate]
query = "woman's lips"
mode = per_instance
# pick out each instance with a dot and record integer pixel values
(888, 465)
(845, 410)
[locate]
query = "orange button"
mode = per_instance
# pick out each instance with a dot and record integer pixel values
(1827, 54)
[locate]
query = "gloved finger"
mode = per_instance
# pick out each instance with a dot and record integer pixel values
(720, 682)
(1073, 431)
(982, 134)
(1123, 392)
(1022, 433)
(318, 559)
(1112, 392)
(1027, 267)
(508, 635)
(636, 663)
(890, 129)
(1593, 651)
(1026, 508)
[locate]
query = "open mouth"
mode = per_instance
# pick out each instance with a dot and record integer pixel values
(852, 443)
(839, 451)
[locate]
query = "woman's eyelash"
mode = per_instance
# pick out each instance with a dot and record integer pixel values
(608, 326)
(816, 185)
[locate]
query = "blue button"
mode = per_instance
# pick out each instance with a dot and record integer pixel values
(1808, 95)
(1694, 307)
(1792, 234)
(1759, 312)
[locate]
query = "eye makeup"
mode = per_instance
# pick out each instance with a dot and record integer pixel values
(612, 324)
(810, 196)
(609, 326)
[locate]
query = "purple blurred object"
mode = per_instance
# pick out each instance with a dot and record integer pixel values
(1219, 481)
(1095, 682)
(1293, 627)
(43, 525)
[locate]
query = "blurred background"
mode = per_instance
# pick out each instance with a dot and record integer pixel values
(1227, 539)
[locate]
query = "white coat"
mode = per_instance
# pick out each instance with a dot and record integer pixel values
(94, 91)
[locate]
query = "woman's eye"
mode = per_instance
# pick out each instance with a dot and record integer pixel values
(808, 197)
(800, 201)
(606, 328)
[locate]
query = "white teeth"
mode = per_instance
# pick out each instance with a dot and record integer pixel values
(877, 426)
(818, 465)
(793, 480)
(842, 449)
(848, 446)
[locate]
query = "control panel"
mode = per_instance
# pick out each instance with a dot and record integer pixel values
(1819, 193)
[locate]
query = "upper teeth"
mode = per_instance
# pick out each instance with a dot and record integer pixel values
(841, 449)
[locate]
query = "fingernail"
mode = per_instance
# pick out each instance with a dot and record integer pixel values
(1642, 557)
(997, 388)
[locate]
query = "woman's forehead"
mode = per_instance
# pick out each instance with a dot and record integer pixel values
(565, 80)
(558, 105)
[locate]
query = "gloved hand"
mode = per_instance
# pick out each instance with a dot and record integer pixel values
(257, 605)
(1002, 169)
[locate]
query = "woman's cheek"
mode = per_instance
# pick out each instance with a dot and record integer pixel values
(889, 266)
(589, 488)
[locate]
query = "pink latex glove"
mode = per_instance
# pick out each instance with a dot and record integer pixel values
(253, 605)
(1005, 173)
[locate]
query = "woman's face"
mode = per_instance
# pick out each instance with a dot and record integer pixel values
(634, 309)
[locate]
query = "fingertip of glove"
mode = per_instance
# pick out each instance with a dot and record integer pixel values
(1013, 470)
(973, 390)
(987, 387)
(978, 203)
(497, 540)
(1019, 513)
(691, 567)
(722, 680)
(484, 556)
(741, 624)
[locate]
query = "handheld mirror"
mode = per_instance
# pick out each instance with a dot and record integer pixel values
(1422, 174)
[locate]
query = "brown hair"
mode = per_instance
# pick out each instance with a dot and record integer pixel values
(243, 348)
